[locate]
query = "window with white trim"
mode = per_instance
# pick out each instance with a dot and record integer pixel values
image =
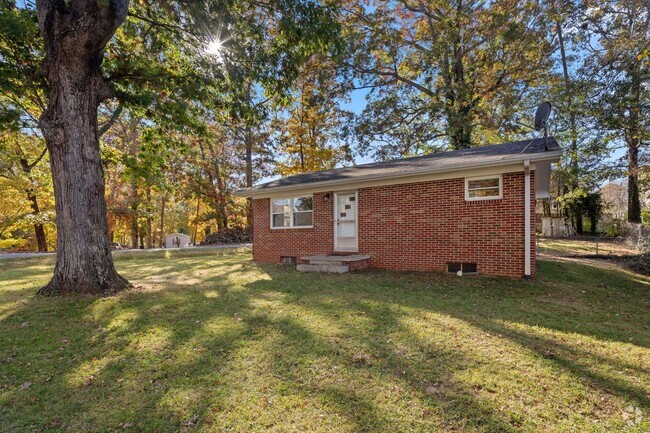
(292, 212)
(484, 187)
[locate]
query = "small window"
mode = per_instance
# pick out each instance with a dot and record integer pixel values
(483, 188)
(292, 212)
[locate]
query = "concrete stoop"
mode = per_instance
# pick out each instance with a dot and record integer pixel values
(333, 263)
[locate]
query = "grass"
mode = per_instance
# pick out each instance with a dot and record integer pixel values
(212, 342)
(585, 247)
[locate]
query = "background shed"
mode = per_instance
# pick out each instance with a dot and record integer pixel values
(177, 240)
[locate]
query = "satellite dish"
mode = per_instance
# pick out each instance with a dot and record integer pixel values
(541, 116)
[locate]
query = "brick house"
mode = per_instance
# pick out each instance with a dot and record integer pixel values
(469, 210)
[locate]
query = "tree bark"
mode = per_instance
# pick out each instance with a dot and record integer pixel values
(75, 34)
(133, 215)
(162, 220)
(633, 139)
(39, 229)
(633, 201)
(574, 164)
(196, 221)
(249, 176)
(149, 220)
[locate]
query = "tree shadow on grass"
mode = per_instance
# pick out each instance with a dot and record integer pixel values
(582, 364)
(481, 304)
(240, 346)
(148, 360)
(420, 397)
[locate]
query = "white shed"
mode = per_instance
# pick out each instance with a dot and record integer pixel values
(177, 240)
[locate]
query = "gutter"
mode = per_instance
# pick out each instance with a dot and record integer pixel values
(552, 156)
(527, 266)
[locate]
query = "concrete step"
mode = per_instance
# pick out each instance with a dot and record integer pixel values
(336, 258)
(334, 269)
(326, 262)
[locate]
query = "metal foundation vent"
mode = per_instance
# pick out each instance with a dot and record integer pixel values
(288, 260)
(465, 268)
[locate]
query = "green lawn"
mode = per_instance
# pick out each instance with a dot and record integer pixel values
(584, 246)
(212, 342)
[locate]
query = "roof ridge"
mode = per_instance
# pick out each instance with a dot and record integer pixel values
(432, 161)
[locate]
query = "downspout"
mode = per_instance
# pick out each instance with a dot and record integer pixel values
(527, 275)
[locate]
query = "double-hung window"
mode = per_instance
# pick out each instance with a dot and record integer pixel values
(484, 188)
(292, 212)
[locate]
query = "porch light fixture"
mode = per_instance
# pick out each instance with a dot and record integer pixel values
(326, 197)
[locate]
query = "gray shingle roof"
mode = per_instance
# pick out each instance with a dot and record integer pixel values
(441, 161)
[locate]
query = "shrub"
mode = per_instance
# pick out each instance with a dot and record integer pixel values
(11, 243)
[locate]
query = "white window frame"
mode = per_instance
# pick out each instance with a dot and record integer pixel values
(492, 197)
(291, 219)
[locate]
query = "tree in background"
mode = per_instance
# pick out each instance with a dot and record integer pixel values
(461, 67)
(616, 34)
(582, 166)
(22, 102)
(614, 197)
(310, 129)
(185, 125)
(24, 170)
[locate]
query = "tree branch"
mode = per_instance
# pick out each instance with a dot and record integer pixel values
(111, 121)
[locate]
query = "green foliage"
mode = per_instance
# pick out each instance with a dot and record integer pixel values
(582, 202)
(21, 83)
(460, 68)
(645, 215)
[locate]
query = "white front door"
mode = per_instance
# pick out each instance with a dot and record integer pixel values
(345, 221)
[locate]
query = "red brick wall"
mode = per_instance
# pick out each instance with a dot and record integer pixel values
(270, 244)
(416, 226)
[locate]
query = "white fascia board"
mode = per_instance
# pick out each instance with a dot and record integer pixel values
(505, 165)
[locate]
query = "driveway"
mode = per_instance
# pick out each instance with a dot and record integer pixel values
(30, 255)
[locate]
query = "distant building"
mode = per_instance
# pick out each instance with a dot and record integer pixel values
(177, 240)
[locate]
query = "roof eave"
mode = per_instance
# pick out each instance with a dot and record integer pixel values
(551, 156)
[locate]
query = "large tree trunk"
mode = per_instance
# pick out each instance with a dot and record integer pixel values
(568, 91)
(249, 176)
(633, 201)
(633, 139)
(162, 220)
(75, 34)
(133, 214)
(149, 220)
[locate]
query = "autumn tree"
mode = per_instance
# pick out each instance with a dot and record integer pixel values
(310, 128)
(75, 35)
(460, 67)
(22, 102)
(24, 169)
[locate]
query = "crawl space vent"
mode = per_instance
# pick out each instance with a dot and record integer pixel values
(288, 260)
(466, 268)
